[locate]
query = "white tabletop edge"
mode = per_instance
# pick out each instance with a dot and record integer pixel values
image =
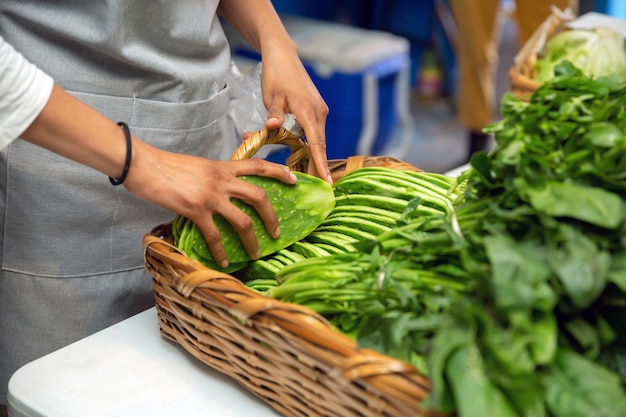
(128, 369)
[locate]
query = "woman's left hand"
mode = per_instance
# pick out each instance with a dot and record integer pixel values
(285, 83)
(287, 88)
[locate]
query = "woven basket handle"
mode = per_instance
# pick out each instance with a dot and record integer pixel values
(298, 160)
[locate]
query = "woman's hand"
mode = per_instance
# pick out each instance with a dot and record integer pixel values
(199, 189)
(287, 88)
(285, 84)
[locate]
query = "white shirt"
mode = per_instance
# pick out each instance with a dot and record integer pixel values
(24, 91)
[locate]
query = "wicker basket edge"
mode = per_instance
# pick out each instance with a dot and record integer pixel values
(522, 72)
(398, 383)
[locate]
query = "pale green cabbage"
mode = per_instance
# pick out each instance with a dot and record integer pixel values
(599, 52)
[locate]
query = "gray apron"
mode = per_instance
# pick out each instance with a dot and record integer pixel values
(71, 243)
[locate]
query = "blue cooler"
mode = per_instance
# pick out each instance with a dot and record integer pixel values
(363, 75)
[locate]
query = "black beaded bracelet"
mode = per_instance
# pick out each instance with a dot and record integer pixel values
(129, 154)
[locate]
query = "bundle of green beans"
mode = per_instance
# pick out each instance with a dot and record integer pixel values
(368, 203)
(359, 268)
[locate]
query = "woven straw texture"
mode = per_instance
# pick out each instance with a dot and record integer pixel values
(287, 355)
(522, 73)
(298, 160)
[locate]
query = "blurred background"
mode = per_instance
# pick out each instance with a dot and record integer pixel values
(388, 71)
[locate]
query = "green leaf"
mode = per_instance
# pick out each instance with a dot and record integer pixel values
(590, 204)
(445, 343)
(526, 394)
(614, 358)
(512, 153)
(474, 393)
(604, 134)
(508, 352)
(410, 212)
(519, 274)
(543, 338)
(482, 166)
(577, 387)
(519, 348)
(300, 208)
(581, 267)
(585, 335)
(617, 271)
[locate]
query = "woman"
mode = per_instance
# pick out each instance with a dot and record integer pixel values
(71, 244)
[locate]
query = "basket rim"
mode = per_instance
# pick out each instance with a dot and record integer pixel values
(522, 72)
(397, 381)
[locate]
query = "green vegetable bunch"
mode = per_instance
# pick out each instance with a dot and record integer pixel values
(532, 337)
(514, 300)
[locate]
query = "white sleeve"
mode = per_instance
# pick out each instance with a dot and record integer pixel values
(24, 92)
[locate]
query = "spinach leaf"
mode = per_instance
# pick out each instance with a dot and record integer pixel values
(474, 392)
(577, 387)
(565, 199)
(581, 266)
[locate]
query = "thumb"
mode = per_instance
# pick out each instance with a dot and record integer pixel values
(275, 116)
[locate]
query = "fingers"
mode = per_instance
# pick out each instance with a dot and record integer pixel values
(213, 239)
(316, 138)
(257, 198)
(313, 120)
(317, 145)
(288, 88)
(242, 223)
(256, 166)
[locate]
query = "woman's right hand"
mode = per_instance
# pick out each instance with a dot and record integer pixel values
(199, 188)
(195, 187)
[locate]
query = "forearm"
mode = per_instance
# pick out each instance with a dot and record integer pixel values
(70, 128)
(259, 25)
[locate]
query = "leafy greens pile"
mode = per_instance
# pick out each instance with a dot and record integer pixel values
(532, 336)
(514, 303)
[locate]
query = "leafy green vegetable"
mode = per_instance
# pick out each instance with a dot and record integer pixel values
(369, 202)
(512, 299)
(300, 209)
(589, 204)
(552, 233)
(598, 52)
(576, 387)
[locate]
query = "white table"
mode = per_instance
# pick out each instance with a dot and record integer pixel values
(458, 170)
(128, 369)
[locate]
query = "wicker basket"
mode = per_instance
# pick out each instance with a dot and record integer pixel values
(522, 73)
(287, 355)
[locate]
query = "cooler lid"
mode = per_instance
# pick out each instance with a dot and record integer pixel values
(343, 47)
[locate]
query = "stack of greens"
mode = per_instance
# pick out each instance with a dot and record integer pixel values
(513, 303)
(368, 202)
(539, 330)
